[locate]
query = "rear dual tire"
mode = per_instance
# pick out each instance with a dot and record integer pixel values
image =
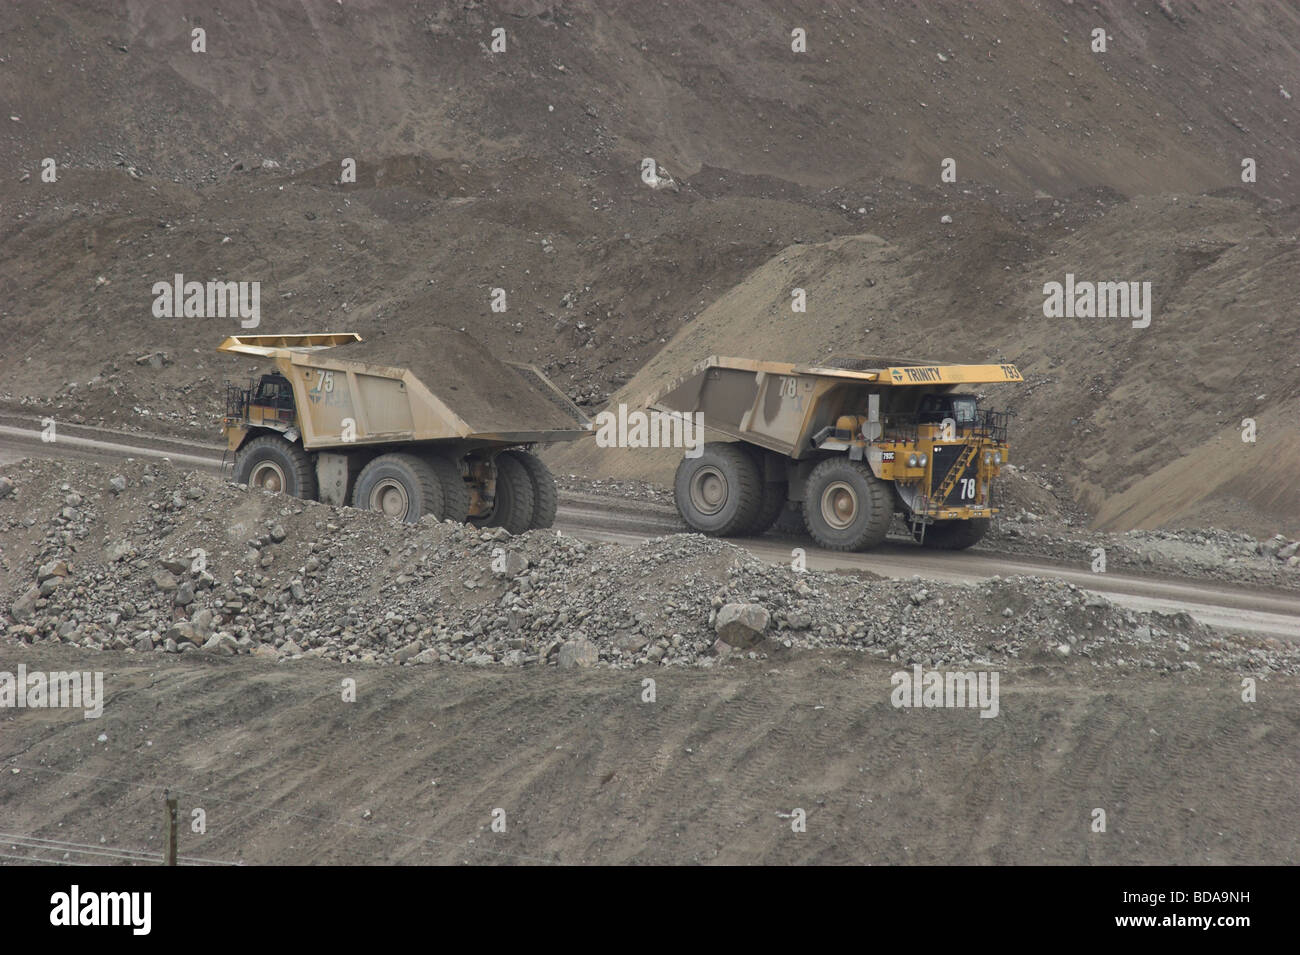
(719, 492)
(770, 505)
(545, 500)
(401, 486)
(512, 507)
(407, 487)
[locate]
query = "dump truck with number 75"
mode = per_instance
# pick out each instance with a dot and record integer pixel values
(854, 442)
(435, 426)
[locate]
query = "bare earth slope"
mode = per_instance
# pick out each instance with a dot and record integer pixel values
(521, 170)
(588, 773)
(1144, 424)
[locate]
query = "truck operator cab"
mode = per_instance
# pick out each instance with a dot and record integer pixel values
(933, 409)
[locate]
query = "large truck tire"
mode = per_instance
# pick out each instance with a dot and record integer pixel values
(770, 505)
(545, 501)
(513, 507)
(269, 462)
(455, 492)
(401, 486)
(955, 535)
(719, 492)
(846, 507)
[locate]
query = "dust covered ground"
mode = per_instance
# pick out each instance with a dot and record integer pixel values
(330, 686)
(710, 772)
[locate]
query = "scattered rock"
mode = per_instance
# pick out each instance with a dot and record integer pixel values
(164, 580)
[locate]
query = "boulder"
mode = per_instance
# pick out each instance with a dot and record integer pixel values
(55, 568)
(742, 625)
(25, 606)
(578, 653)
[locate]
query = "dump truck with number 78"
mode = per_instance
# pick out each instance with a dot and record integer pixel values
(435, 426)
(854, 441)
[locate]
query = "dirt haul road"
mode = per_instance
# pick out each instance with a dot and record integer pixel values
(600, 517)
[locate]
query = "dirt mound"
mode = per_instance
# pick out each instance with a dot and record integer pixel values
(587, 770)
(1014, 91)
(157, 559)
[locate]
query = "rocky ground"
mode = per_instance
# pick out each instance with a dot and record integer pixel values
(153, 558)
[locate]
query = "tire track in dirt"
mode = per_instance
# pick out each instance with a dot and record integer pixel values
(286, 770)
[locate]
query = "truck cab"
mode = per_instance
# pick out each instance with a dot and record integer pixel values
(271, 403)
(936, 408)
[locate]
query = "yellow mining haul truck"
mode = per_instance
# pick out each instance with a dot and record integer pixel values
(854, 442)
(437, 426)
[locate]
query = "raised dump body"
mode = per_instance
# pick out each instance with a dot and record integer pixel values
(447, 387)
(436, 426)
(852, 443)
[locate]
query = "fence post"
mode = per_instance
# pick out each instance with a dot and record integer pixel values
(169, 830)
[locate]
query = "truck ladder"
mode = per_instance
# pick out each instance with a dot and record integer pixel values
(961, 464)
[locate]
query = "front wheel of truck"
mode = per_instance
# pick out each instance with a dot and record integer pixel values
(846, 507)
(271, 463)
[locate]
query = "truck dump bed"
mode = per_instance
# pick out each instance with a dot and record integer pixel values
(488, 394)
(444, 385)
(780, 406)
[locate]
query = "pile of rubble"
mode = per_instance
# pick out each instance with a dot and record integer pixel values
(1281, 549)
(150, 558)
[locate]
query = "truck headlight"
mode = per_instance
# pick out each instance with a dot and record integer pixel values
(913, 461)
(924, 459)
(997, 457)
(988, 457)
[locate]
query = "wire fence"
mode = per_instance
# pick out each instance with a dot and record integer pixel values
(149, 857)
